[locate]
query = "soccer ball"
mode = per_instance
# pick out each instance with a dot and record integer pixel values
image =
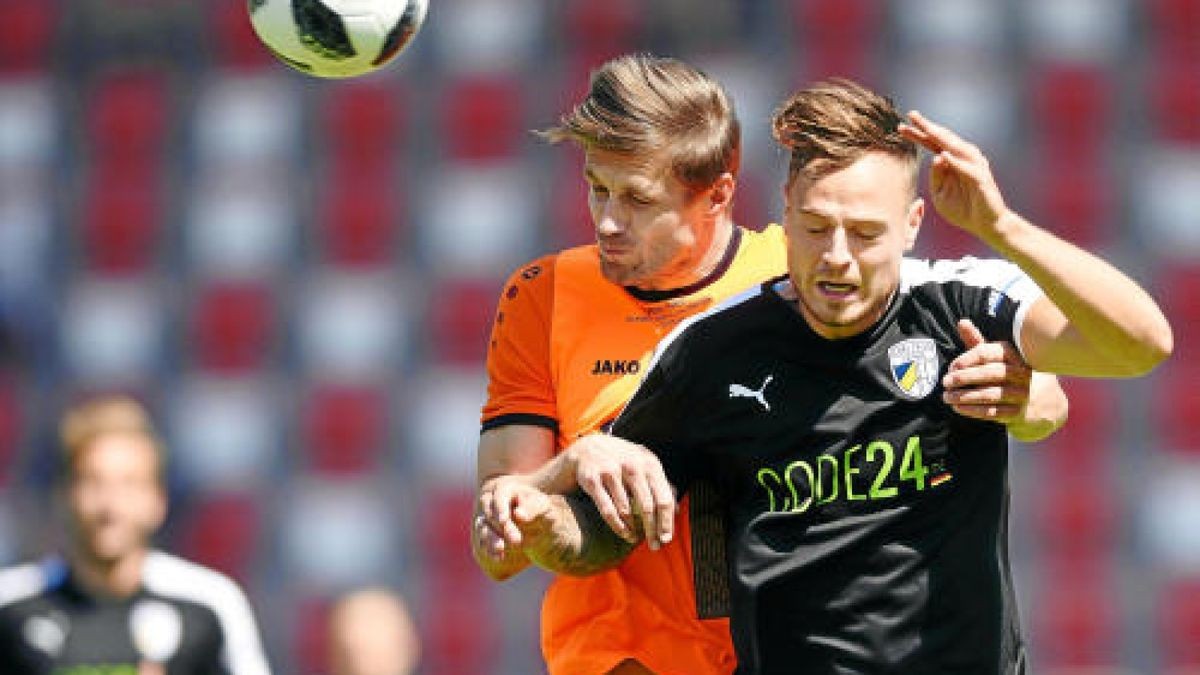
(336, 38)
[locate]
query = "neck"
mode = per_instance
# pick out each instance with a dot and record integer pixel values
(117, 578)
(701, 267)
(722, 232)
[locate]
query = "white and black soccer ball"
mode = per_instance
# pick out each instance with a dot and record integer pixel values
(336, 38)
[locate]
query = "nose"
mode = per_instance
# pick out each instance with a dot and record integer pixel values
(608, 223)
(838, 253)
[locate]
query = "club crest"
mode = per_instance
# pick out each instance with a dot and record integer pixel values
(914, 366)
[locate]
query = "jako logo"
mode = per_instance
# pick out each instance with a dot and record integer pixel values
(616, 367)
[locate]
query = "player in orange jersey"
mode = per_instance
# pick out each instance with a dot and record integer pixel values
(574, 330)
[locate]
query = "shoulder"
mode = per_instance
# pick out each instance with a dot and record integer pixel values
(991, 273)
(766, 247)
(173, 577)
(708, 328)
(770, 235)
(29, 580)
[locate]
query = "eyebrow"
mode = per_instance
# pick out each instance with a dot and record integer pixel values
(874, 222)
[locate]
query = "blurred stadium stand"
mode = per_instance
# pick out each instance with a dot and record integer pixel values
(299, 276)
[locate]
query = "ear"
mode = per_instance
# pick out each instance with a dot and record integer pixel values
(912, 225)
(720, 194)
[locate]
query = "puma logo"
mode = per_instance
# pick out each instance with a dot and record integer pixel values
(741, 391)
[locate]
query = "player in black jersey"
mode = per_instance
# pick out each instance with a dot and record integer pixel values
(112, 604)
(867, 520)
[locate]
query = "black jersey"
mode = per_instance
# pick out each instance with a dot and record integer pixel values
(189, 619)
(866, 521)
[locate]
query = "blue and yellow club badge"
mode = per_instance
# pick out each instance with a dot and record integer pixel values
(914, 366)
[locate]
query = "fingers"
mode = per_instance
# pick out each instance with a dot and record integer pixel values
(597, 486)
(970, 333)
(629, 488)
(1007, 394)
(988, 353)
(490, 541)
(1002, 414)
(654, 501)
(531, 505)
(495, 506)
(935, 137)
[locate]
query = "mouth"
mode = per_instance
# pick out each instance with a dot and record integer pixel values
(611, 250)
(836, 290)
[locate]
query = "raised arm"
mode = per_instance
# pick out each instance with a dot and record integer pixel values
(1094, 320)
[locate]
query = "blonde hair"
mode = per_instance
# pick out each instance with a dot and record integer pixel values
(103, 416)
(643, 105)
(831, 124)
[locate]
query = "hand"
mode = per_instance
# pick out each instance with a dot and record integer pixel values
(624, 478)
(494, 525)
(961, 184)
(990, 381)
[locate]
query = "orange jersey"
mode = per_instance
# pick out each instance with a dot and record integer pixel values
(567, 350)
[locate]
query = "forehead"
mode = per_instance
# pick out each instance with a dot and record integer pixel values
(641, 170)
(877, 186)
(116, 453)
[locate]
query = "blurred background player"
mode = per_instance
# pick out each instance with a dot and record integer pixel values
(662, 149)
(372, 633)
(111, 602)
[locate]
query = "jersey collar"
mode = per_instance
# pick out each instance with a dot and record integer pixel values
(735, 241)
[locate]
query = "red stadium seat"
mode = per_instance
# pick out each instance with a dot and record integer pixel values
(27, 35)
(1083, 445)
(234, 41)
(222, 531)
(233, 327)
(1076, 619)
(602, 28)
(1178, 624)
(1076, 514)
(443, 530)
(1176, 290)
(363, 124)
(121, 223)
(358, 219)
(1072, 110)
(1073, 198)
(1175, 26)
(129, 116)
(839, 37)
(1175, 98)
(461, 320)
(483, 117)
(459, 635)
(345, 428)
(570, 218)
(11, 428)
(1177, 406)
(310, 640)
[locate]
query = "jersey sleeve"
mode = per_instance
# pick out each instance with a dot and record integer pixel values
(995, 294)
(657, 417)
(520, 387)
(242, 652)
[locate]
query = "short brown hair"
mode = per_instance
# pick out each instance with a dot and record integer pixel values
(83, 423)
(833, 123)
(643, 105)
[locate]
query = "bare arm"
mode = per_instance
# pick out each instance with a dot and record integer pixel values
(566, 535)
(507, 454)
(1094, 320)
